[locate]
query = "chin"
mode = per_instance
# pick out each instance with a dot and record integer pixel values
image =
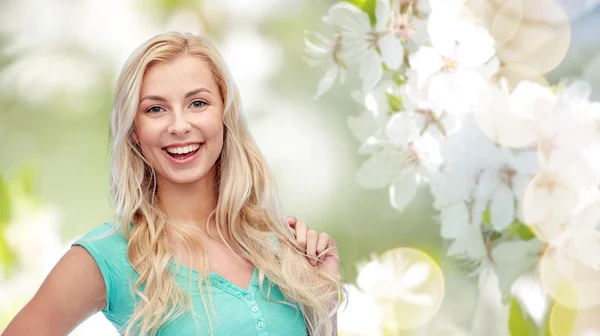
(186, 178)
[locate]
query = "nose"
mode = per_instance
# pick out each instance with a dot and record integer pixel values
(179, 124)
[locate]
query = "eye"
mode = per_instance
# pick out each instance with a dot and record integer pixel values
(154, 109)
(198, 104)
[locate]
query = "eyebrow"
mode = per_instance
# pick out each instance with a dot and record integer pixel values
(187, 95)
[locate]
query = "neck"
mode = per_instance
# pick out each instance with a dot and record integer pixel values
(189, 203)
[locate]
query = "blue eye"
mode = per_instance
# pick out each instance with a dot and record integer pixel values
(198, 103)
(154, 109)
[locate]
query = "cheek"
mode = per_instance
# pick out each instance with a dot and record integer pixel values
(213, 127)
(146, 132)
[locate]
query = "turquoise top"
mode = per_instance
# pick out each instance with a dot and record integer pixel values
(239, 311)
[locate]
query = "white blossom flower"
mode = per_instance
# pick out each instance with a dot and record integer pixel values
(571, 129)
(359, 314)
(393, 162)
(571, 282)
(550, 200)
(403, 288)
(327, 50)
(514, 119)
(460, 59)
(362, 40)
(402, 168)
(391, 279)
(468, 146)
(407, 25)
(372, 120)
(460, 212)
(581, 238)
(421, 114)
(505, 180)
(459, 194)
(527, 155)
(456, 42)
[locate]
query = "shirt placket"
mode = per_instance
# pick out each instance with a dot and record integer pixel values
(249, 298)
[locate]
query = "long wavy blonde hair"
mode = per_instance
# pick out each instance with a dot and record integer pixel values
(247, 215)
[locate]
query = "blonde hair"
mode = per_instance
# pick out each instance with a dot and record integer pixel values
(247, 213)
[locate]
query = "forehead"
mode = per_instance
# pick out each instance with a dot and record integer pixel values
(185, 73)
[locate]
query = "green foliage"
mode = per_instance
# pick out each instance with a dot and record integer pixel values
(394, 102)
(519, 322)
(7, 257)
(523, 231)
(399, 79)
(5, 209)
(25, 178)
(516, 228)
(485, 217)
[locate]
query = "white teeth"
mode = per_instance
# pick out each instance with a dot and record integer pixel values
(183, 150)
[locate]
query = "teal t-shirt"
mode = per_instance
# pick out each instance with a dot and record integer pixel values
(239, 311)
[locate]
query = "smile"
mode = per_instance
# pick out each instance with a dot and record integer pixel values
(183, 154)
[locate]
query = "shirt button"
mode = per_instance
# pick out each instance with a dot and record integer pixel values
(247, 296)
(255, 284)
(255, 309)
(261, 324)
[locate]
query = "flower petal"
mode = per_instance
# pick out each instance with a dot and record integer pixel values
(377, 172)
(392, 51)
(370, 275)
(349, 17)
(415, 275)
(502, 208)
(476, 45)
(382, 14)
(442, 26)
(453, 220)
(526, 163)
(403, 190)
(401, 128)
(426, 60)
(359, 314)
(417, 299)
(469, 244)
(370, 70)
(327, 81)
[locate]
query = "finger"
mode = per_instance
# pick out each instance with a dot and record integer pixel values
(291, 220)
(301, 229)
(324, 241)
(312, 238)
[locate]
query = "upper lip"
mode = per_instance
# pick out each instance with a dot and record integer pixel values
(184, 144)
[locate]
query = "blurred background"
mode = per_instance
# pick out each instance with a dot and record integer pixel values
(60, 59)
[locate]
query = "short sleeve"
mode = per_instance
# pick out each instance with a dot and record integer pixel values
(106, 245)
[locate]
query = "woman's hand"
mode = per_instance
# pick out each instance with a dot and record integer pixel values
(314, 244)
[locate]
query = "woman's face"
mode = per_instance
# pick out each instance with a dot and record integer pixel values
(179, 121)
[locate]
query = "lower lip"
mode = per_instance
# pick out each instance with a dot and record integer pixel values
(187, 159)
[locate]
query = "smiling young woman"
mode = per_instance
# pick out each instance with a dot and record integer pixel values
(199, 245)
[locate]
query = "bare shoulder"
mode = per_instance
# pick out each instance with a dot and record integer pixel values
(73, 290)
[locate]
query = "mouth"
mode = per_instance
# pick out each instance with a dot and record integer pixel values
(183, 154)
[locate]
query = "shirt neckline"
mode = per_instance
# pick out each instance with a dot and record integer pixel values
(183, 271)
